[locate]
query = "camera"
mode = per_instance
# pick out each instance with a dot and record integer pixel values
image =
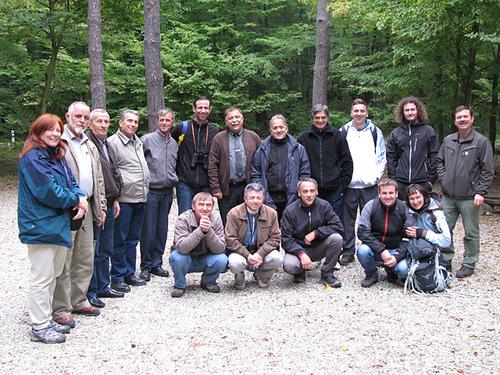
(199, 158)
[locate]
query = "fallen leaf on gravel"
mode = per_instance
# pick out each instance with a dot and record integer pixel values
(327, 288)
(345, 348)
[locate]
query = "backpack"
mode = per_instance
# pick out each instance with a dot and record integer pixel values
(426, 274)
(373, 130)
(185, 124)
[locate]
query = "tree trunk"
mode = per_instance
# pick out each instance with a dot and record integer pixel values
(152, 60)
(97, 86)
(471, 67)
(322, 59)
(494, 99)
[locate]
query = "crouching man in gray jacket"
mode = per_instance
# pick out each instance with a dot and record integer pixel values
(199, 245)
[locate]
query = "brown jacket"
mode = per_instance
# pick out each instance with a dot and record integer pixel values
(218, 162)
(268, 230)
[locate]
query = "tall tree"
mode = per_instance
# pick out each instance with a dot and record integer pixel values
(96, 68)
(152, 60)
(322, 59)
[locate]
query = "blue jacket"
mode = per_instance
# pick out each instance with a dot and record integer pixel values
(47, 192)
(297, 168)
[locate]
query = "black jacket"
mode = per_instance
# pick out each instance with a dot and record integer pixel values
(411, 153)
(329, 157)
(297, 221)
(197, 176)
(381, 227)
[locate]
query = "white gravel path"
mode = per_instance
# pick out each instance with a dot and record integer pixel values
(287, 329)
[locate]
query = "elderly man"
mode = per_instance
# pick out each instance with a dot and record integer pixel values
(329, 156)
(198, 246)
(311, 231)
(381, 229)
(195, 139)
(367, 148)
(135, 174)
(230, 161)
(104, 234)
(70, 293)
(278, 164)
(465, 169)
(160, 151)
(253, 238)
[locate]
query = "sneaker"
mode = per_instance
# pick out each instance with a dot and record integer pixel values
(300, 278)
(88, 311)
(66, 321)
(177, 292)
(59, 328)
(261, 283)
(212, 288)
(47, 336)
(239, 281)
(464, 271)
(332, 281)
(346, 259)
(368, 281)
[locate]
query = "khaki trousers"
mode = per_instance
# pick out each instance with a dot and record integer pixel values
(72, 285)
(271, 263)
(47, 262)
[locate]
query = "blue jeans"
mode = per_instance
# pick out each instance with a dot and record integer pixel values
(185, 194)
(103, 236)
(368, 258)
(210, 264)
(335, 198)
(155, 229)
(127, 234)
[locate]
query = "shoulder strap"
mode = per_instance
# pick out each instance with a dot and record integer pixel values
(185, 124)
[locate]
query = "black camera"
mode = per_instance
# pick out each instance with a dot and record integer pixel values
(199, 158)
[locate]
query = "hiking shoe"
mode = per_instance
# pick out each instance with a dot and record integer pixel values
(332, 281)
(337, 266)
(261, 283)
(346, 259)
(368, 281)
(212, 288)
(88, 311)
(59, 328)
(300, 278)
(66, 321)
(47, 336)
(464, 271)
(239, 281)
(177, 292)
(145, 275)
(447, 265)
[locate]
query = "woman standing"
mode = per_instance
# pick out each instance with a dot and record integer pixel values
(47, 193)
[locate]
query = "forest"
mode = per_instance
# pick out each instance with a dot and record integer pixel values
(255, 54)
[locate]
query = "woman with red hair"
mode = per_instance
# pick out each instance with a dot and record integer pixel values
(47, 194)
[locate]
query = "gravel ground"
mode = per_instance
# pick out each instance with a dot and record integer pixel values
(287, 329)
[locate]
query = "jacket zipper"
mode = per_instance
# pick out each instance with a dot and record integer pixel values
(409, 164)
(386, 225)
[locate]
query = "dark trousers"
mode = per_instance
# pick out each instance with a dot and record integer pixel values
(155, 229)
(234, 198)
(127, 234)
(354, 199)
(335, 198)
(103, 237)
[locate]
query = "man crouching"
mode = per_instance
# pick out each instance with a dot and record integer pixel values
(199, 246)
(253, 238)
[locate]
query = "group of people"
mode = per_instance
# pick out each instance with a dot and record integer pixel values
(87, 198)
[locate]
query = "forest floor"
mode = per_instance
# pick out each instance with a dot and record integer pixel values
(286, 329)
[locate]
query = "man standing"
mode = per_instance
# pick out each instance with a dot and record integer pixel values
(465, 169)
(70, 293)
(381, 228)
(199, 246)
(329, 156)
(160, 151)
(195, 139)
(412, 147)
(104, 234)
(311, 231)
(278, 164)
(132, 165)
(253, 238)
(230, 161)
(367, 148)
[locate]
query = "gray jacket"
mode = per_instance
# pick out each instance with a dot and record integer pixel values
(133, 167)
(465, 167)
(161, 156)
